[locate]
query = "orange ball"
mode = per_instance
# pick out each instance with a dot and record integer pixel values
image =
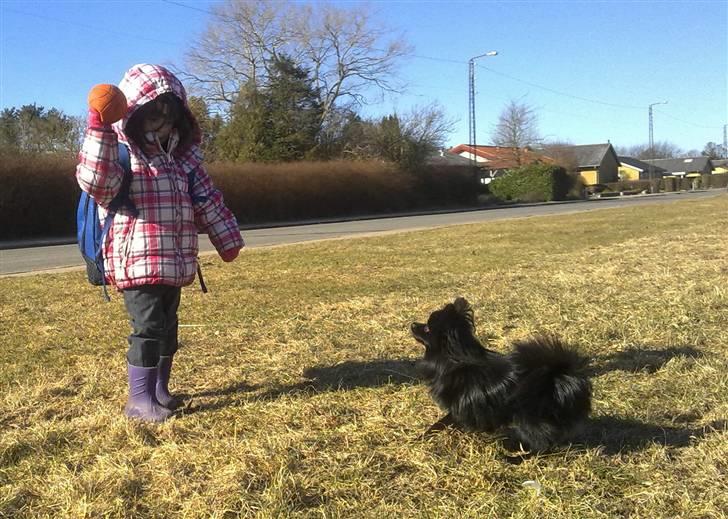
(108, 101)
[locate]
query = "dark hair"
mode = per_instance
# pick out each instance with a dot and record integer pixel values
(171, 108)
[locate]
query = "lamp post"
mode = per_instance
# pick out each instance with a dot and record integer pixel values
(472, 139)
(652, 143)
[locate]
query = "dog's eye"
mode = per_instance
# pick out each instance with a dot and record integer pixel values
(427, 329)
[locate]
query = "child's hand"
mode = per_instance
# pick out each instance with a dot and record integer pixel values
(108, 101)
(94, 119)
(229, 255)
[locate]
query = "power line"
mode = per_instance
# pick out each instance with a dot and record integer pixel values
(457, 62)
(86, 26)
(417, 56)
(535, 85)
(199, 9)
(460, 62)
(688, 122)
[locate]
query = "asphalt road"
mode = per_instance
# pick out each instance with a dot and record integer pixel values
(29, 257)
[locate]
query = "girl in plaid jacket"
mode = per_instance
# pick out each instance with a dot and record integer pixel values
(151, 255)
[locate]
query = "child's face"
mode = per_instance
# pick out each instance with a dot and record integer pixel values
(158, 119)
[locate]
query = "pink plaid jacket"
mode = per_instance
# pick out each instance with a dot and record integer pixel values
(159, 245)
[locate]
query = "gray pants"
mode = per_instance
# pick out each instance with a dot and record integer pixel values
(152, 311)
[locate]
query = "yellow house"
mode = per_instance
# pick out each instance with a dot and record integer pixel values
(595, 163)
(635, 169)
(720, 166)
(688, 167)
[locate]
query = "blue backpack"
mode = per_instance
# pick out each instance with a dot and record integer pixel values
(91, 234)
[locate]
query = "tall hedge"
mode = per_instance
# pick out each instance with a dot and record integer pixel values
(39, 193)
(532, 183)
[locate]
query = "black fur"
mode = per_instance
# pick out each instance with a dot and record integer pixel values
(539, 390)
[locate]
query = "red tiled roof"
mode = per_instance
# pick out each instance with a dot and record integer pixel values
(501, 157)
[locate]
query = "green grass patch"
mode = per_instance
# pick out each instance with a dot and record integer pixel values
(306, 403)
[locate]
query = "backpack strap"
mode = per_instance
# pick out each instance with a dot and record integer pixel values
(121, 199)
(196, 200)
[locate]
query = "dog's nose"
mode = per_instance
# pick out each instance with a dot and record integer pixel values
(419, 328)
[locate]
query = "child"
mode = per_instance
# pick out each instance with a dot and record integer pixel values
(152, 255)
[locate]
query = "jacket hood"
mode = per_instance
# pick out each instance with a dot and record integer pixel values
(144, 83)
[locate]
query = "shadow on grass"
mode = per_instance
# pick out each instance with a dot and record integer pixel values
(614, 435)
(611, 435)
(637, 359)
(232, 389)
(345, 376)
(353, 374)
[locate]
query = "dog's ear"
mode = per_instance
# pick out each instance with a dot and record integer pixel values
(463, 308)
(462, 305)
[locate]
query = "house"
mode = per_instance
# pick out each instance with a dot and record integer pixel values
(720, 166)
(684, 167)
(445, 158)
(595, 163)
(495, 161)
(635, 169)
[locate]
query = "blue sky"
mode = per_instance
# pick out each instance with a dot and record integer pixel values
(588, 68)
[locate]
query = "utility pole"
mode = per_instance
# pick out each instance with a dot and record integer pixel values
(725, 142)
(652, 143)
(472, 135)
(471, 110)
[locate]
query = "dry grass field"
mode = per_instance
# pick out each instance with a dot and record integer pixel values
(305, 401)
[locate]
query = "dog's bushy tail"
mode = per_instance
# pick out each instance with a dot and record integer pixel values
(552, 394)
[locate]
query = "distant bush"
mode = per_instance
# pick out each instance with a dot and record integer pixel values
(38, 196)
(40, 193)
(668, 184)
(719, 181)
(300, 190)
(578, 189)
(630, 186)
(533, 183)
(688, 183)
(715, 181)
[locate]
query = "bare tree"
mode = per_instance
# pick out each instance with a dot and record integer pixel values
(714, 151)
(427, 126)
(517, 128)
(345, 52)
(662, 150)
(234, 49)
(405, 139)
(563, 154)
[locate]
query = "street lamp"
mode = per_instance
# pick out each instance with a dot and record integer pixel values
(652, 143)
(472, 140)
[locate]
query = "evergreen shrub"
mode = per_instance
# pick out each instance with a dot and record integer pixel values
(533, 183)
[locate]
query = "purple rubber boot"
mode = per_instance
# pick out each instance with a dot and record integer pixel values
(142, 403)
(164, 368)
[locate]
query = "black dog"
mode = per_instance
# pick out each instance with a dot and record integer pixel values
(540, 389)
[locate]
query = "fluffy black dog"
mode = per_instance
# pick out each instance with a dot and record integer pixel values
(539, 391)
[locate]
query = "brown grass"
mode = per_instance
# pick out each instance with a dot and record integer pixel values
(305, 402)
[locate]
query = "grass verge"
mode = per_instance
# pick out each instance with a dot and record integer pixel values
(306, 403)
